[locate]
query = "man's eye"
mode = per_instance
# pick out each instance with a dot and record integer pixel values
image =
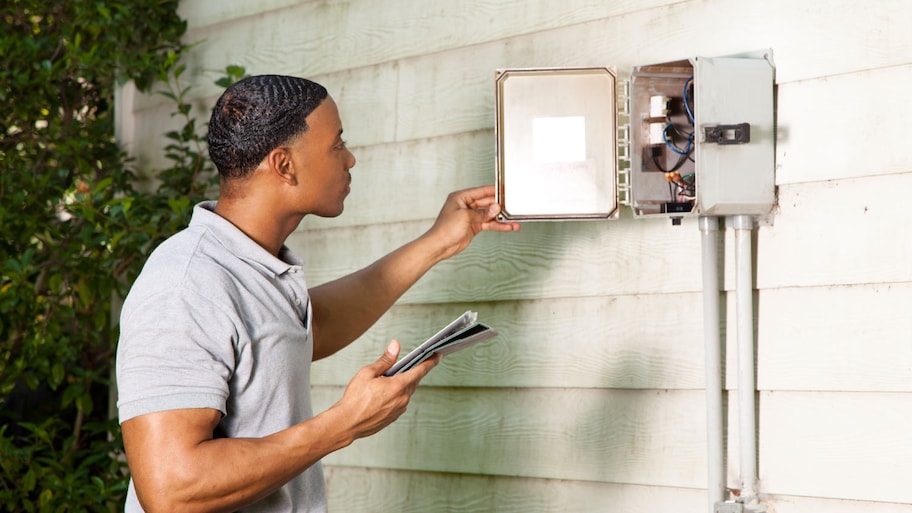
(341, 146)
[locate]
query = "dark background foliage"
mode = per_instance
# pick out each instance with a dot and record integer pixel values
(74, 232)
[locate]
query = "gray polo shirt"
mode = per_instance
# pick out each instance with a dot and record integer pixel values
(216, 321)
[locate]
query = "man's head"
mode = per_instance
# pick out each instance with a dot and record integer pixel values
(256, 115)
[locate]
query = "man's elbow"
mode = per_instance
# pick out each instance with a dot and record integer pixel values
(171, 494)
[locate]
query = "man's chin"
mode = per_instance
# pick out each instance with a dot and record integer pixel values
(330, 213)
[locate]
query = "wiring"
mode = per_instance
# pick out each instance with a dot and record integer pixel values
(682, 159)
(681, 188)
(688, 86)
(670, 142)
(670, 130)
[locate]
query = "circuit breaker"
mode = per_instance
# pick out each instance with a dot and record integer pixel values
(683, 138)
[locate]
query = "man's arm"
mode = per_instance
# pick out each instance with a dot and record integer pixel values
(177, 465)
(345, 308)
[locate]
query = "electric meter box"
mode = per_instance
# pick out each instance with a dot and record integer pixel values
(683, 138)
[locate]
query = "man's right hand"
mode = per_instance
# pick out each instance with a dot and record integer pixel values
(373, 401)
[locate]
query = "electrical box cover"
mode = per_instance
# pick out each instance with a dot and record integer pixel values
(556, 143)
(689, 137)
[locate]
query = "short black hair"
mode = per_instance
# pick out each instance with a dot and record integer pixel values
(257, 114)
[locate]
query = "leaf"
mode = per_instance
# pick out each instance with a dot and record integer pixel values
(179, 205)
(85, 293)
(84, 403)
(70, 394)
(104, 184)
(45, 498)
(55, 282)
(28, 481)
(57, 375)
(100, 319)
(127, 202)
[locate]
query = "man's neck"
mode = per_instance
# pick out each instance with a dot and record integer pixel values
(259, 220)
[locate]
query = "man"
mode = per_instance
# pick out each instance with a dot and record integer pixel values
(219, 330)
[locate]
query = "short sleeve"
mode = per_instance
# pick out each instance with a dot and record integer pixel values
(176, 350)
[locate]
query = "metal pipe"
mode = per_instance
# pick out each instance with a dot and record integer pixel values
(715, 456)
(744, 294)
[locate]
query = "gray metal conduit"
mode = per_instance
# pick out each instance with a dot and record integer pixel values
(747, 419)
(709, 229)
(744, 299)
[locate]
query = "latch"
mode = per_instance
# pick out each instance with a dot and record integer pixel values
(728, 134)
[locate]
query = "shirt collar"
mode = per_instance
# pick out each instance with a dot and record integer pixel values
(240, 244)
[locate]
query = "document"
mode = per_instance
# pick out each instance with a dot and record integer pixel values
(463, 332)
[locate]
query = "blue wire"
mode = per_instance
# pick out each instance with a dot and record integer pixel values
(686, 105)
(674, 148)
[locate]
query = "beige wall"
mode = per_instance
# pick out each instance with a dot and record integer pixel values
(591, 399)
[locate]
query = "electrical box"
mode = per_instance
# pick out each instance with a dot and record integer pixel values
(683, 138)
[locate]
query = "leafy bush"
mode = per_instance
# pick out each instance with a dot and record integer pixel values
(74, 233)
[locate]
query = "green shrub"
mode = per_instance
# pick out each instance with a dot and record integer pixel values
(74, 233)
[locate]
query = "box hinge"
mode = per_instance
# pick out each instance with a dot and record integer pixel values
(623, 144)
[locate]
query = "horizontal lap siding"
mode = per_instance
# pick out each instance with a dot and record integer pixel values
(421, 492)
(319, 38)
(843, 232)
(834, 349)
(798, 504)
(399, 182)
(836, 444)
(836, 338)
(590, 399)
(316, 38)
(542, 260)
(645, 437)
(648, 341)
(417, 96)
(844, 126)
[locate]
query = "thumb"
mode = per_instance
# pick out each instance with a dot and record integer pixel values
(388, 358)
(493, 210)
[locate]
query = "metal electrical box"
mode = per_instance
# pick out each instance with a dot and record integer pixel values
(683, 138)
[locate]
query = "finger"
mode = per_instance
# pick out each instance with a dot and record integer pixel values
(392, 351)
(472, 197)
(488, 222)
(484, 203)
(483, 214)
(421, 370)
(388, 358)
(499, 226)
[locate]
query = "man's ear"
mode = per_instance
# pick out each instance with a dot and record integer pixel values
(280, 165)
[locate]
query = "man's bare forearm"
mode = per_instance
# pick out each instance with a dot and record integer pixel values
(345, 308)
(198, 473)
